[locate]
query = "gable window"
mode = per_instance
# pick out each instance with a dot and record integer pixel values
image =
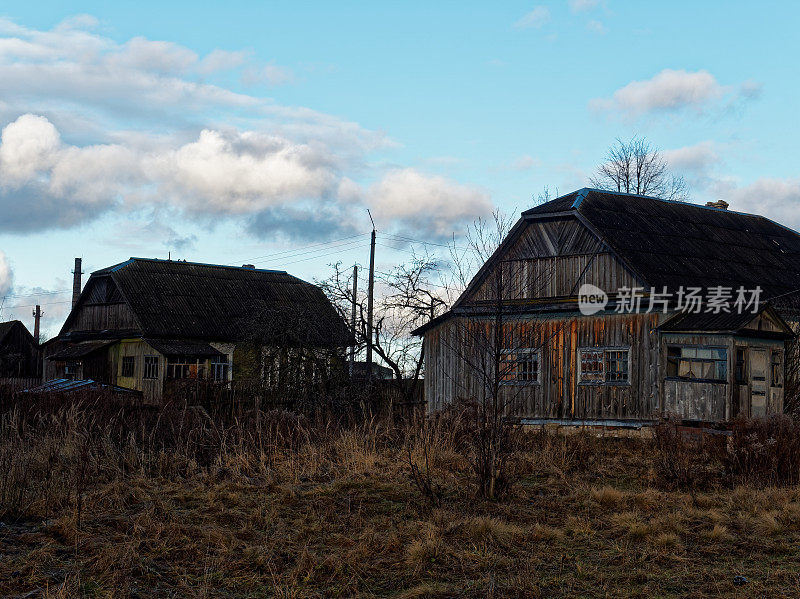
(604, 365)
(150, 367)
(693, 362)
(128, 366)
(519, 366)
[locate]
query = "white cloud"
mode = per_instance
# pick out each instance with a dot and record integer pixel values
(778, 199)
(696, 158)
(431, 205)
(239, 173)
(669, 90)
(534, 19)
(268, 74)
(222, 60)
(6, 275)
(595, 26)
(525, 162)
(583, 5)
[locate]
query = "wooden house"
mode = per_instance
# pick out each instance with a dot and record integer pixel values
(526, 331)
(147, 324)
(19, 352)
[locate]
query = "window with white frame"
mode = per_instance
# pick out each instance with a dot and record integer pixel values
(128, 366)
(520, 366)
(150, 367)
(219, 369)
(604, 365)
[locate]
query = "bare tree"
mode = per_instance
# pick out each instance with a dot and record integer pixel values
(408, 298)
(636, 166)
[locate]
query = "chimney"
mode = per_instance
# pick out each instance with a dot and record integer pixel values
(37, 316)
(76, 281)
(250, 266)
(721, 204)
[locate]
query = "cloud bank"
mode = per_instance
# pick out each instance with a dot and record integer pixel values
(92, 126)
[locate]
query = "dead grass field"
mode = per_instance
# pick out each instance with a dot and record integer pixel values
(330, 511)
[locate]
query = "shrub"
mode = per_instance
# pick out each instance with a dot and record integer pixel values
(681, 461)
(762, 451)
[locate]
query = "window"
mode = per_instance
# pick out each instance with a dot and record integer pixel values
(520, 366)
(592, 365)
(603, 365)
(617, 365)
(740, 373)
(219, 369)
(151, 367)
(706, 363)
(777, 369)
(72, 370)
(128, 365)
(185, 367)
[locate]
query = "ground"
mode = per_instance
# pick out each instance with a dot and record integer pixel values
(339, 516)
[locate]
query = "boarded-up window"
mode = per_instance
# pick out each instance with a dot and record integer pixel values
(151, 367)
(520, 366)
(692, 362)
(128, 366)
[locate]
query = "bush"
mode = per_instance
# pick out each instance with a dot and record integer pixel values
(681, 459)
(762, 451)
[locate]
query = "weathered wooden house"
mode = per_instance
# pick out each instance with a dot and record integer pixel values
(19, 352)
(563, 354)
(147, 324)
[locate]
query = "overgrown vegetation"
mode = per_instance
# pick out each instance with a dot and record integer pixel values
(102, 501)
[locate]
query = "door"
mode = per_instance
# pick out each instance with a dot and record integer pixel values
(758, 382)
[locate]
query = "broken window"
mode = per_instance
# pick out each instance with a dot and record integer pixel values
(693, 362)
(604, 365)
(128, 365)
(519, 366)
(151, 367)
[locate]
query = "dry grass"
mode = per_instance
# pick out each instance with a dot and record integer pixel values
(310, 508)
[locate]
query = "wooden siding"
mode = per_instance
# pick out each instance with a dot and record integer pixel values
(558, 394)
(553, 258)
(714, 401)
(102, 317)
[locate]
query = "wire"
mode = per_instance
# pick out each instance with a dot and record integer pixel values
(298, 249)
(318, 253)
(34, 305)
(36, 294)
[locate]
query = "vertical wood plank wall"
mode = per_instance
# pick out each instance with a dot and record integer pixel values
(559, 393)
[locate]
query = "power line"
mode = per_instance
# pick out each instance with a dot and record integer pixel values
(36, 294)
(299, 249)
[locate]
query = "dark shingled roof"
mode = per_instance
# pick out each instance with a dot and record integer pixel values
(187, 300)
(678, 243)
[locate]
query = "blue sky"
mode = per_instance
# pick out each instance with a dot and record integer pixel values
(228, 132)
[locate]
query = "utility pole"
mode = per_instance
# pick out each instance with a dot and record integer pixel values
(353, 322)
(370, 295)
(76, 281)
(37, 316)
